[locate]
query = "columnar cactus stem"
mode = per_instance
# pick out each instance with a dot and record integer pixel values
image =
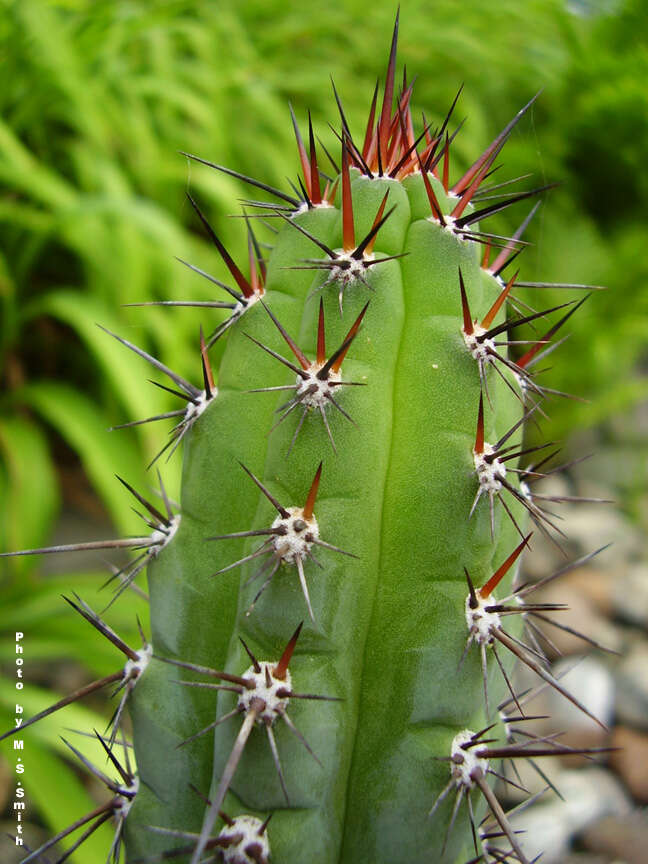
(372, 507)
(397, 494)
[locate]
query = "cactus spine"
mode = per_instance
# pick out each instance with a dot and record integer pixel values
(330, 573)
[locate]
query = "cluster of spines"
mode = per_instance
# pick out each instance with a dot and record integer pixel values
(124, 790)
(242, 840)
(317, 380)
(390, 149)
(289, 540)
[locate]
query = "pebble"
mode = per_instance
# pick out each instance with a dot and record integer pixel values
(582, 616)
(590, 795)
(624, 837)
(587, 527)
(527, 776)
(630, 595)
(632, 687)
(630, 761)
(590, 681)
(590, 526)
(595, 584)
(587, 858)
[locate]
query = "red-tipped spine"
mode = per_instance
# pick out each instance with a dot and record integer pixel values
(321, 335)
(479, 437)
(348, 231)
(497, 305)
(384, 123)
(315, 189)
(309, 506)
(467, 319)
(487, 589)
(284, 661)
(348, 339)
(379, 215)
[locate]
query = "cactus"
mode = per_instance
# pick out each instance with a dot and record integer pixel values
(326, 644)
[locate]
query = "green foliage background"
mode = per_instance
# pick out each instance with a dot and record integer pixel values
(97, 99)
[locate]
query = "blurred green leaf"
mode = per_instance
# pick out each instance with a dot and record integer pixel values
(31, 497)
(102, 453)
(67, 634)
(54, 790)
(51, 785)
(126, 373)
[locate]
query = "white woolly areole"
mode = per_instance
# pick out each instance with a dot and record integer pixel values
(489, 473)
(242, 306)
(347, 269)
(479, 350)
(195, 409)
(247, 828)
(450, 223)
(256, 296)
(465, 762)
(159, 538)
(126, 798)
(274, 705)
(299, 536)
(480, 621)
(304, 207)
(318, 398)
(134, 668)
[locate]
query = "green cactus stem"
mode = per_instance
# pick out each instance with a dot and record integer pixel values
(350, 476)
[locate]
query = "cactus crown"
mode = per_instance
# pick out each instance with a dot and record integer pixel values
(351, 476)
